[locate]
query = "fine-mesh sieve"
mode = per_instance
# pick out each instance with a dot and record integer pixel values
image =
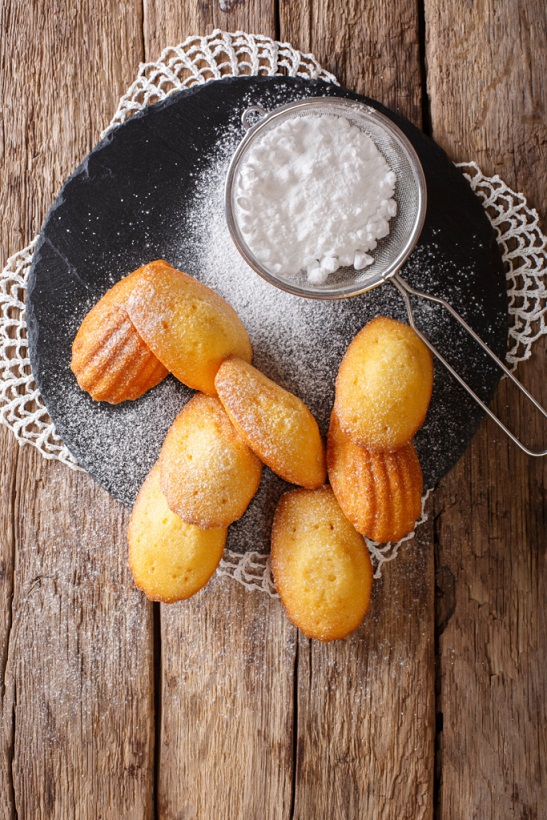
(391, 252)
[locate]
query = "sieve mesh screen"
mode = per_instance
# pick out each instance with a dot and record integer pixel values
(410, 195)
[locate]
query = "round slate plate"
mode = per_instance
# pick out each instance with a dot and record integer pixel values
(153, 189)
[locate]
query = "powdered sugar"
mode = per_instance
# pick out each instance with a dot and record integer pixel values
(314, 193)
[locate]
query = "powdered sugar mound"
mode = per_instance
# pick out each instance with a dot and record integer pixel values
(315, 194)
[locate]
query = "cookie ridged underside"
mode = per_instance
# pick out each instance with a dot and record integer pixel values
(380, 493)
(110, 360)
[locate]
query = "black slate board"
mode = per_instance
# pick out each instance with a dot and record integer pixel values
(129, 203)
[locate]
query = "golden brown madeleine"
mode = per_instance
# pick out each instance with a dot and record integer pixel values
(276, 425)
(170, 560)
(320, 564)
(380, 493)
(189, 327)
(208, 473)
(109, 359)
(384, 385)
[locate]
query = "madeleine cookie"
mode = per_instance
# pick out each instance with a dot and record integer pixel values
(189, 327)
(380, 493)
(384, 385)
(109, 359)
(208, 473)
(170, 560)
(320, 564)
(276, 425)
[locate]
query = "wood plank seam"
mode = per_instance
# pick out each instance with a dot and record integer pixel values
(158, 694)
(145, 57)
(445, 604)
(437, 705)
(227, 666)
(426, 110)
(294, 733)
(11, 690)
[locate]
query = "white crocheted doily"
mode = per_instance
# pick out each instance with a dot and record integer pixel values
(196, 61)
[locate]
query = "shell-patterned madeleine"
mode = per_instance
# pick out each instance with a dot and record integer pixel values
(384, 385)
(170, 560)
(380, 493)
(109, 359)
(189, 327)
(208, 473)
(276, 425)
(320, 564)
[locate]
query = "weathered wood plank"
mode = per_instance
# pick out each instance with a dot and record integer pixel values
(373, 48)
(486, 83)
(365, 709)
(8, 467)
(77, 638)
(227, 654)
(169, 22)
(486, 86)
(227, 716)
(80, 654)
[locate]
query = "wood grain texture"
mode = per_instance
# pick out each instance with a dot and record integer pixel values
(169, 22)
(365, 712)
(8, 470)
(371, 47)
(227, 706)
(64, 67)
(490, 513)
(77, 717)
(486, 64)
(80, 653)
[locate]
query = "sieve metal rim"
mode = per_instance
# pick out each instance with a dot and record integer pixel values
(365, 111)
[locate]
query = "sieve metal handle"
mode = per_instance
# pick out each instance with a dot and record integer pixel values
(253, 109)
(407, 291)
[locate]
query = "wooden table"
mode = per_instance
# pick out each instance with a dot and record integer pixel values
(116, 708)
